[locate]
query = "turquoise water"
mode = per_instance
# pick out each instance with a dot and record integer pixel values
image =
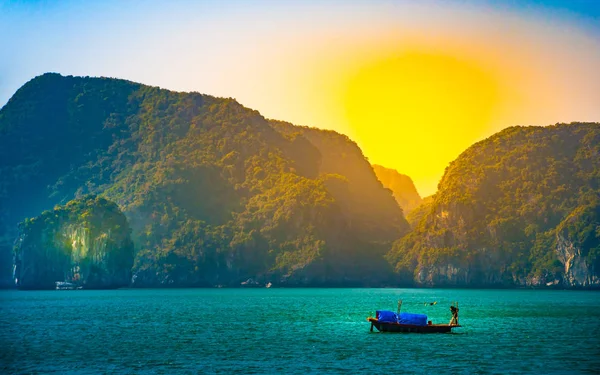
(299, 331)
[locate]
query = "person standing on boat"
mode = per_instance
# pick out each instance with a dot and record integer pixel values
(454, 320)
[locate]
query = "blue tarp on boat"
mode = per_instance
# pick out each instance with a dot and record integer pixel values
(386, 316)
(414, 319)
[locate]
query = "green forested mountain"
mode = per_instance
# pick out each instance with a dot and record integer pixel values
(214, 193)
(519, 208)
(401, 186)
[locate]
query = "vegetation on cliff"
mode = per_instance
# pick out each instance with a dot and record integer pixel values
(402, 187)
(216, 194)
(519, 208)
(87, 242)
(353, 182)
(414, 217)
(213, 192)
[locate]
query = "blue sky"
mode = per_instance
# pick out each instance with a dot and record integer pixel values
(39, 36)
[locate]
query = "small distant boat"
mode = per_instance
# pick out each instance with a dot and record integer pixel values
(63, 285)
(389, 321)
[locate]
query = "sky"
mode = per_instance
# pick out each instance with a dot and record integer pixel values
(413, 83)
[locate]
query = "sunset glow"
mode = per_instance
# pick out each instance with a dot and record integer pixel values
(416, 95)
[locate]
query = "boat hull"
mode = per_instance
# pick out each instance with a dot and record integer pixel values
(408, 328)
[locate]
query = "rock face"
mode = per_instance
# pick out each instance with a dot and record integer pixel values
(577, 248)
(86, 243)
(576, 271)
(402, 187)
(521, 208)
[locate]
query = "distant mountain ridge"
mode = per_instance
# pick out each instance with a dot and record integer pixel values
(340, 156)
(402, 187)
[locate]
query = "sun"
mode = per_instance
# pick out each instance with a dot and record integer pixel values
(415, 111)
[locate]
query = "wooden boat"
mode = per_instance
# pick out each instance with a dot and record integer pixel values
(406, 328)
(396, 326)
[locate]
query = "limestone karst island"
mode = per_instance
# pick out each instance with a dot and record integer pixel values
(109, 183)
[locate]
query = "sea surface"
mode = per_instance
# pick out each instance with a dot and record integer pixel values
(295, 331)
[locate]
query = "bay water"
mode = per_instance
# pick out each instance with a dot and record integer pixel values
(295, 331)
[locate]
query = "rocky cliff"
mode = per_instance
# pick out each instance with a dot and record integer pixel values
(86, 243)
